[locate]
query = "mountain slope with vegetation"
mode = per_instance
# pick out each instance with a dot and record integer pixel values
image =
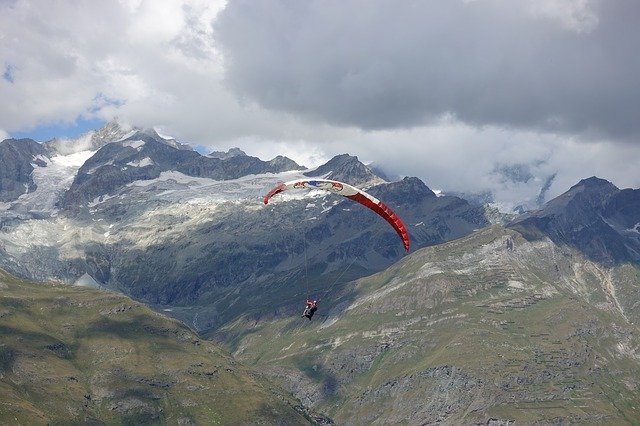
(78, 355)
(489, 327)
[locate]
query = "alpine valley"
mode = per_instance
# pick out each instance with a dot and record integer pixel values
(490, 318)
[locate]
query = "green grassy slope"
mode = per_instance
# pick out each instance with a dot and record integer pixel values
(72, 355)
(489, 326)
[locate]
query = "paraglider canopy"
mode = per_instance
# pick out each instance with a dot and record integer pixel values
(350, 192)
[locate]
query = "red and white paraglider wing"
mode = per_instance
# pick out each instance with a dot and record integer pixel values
(352, 193)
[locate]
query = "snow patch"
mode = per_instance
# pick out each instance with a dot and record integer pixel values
(141, 163)
(75, 160)
(41, 158)
(136, 144)
(162, 135)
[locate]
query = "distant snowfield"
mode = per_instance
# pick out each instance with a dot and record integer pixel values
(176, 186)
(74, 161)
(167, 207)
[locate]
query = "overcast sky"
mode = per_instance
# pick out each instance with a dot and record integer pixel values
(453, 91)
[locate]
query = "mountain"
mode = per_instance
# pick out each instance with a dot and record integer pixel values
(16, 167)
(179, 230)
(211, 250)
(487, 329)
(594, 216)
(233, 152)
(346, 168)
(534, 322)
(73, 355)
(144, 156)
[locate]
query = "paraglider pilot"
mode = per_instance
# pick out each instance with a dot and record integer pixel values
(310, 308)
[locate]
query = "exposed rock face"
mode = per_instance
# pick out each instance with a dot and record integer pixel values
(233, 152)
(346, 168)
(144, 156)
(16, 159)
(593, 216)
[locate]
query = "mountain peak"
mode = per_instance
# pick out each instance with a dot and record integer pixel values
(347, 168)
(232, 152)
(589, 217)
(594, 182)
(281, 163)
(408, 190)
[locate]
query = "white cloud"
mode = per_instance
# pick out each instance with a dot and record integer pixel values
(575, 15)
(448, 91)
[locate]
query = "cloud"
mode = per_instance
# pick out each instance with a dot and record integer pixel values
(562, 66)
(66, 58)
(462, 158)
(454, 92)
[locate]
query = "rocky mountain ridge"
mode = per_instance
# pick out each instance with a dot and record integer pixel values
(593, 216)
(143, 156)
(16, 158)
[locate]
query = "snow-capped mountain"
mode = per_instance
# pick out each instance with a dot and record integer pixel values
(190, 232)
(144, 156)
(134, 211)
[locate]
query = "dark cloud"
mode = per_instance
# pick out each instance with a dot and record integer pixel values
(562, 66)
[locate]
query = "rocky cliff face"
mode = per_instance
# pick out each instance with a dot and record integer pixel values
(593, 216)
(346, 168)
(17, 157)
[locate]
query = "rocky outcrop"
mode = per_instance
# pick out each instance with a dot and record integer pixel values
(346, 168)
(17, 157)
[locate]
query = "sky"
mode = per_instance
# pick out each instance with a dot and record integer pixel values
(470, 96)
